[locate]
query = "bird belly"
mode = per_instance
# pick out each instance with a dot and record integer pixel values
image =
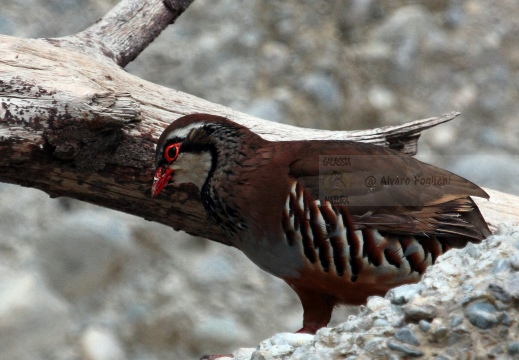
(275, 257)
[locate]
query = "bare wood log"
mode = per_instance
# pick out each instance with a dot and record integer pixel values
(502, 208)
(73, 123)
(126, 30)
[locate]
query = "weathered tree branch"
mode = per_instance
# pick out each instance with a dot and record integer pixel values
(73, 123)
(126, 30)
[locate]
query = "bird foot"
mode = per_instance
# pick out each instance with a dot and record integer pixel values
(216, 356)
(310, 329)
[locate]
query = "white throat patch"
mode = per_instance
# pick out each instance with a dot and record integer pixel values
(192, 168)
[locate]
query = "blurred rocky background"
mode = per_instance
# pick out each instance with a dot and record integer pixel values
(82, 282)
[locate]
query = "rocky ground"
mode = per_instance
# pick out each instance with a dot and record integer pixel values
(465, 307)
(81, 282)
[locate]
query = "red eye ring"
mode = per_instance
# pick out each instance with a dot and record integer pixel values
(171, 152)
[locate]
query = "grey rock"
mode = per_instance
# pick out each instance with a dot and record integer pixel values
(414, 353)
(424, 325)
(375, 345)
(513, 287)
(243, 353)
(406, 335)
(377, 303)
(272, 352)
(513, 348)
(506, 320)
(500, 265)
(381, 323)
(514, 262)
(483, 315)
(472, 251)
(294, 340)
(500, 292)
(496, 352)
(417, 312)
(439, 333)
(456, 321)
(403, 294)
(305, 353)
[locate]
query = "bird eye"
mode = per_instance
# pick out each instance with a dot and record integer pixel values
(171, 152)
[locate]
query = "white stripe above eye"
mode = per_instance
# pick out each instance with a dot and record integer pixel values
(184, 131)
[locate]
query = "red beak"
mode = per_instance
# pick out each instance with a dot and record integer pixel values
(160, 180)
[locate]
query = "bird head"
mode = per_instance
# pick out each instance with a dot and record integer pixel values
(185, 153)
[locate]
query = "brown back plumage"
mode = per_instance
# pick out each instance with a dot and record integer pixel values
(444, 209)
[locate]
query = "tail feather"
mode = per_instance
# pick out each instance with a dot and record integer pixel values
(467, 222)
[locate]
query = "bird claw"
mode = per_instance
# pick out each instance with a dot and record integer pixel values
(310, 329)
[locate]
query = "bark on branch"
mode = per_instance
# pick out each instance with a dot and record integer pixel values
(126, 30)
(73, 123)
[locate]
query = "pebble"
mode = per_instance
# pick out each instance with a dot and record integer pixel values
(405, 349)
(438, 332)
(406, 335)
(499, 292)
(380, 323)
(375, 344)
(500, 265)
(457, 320)
(513, 348)
(483, 315)
(272, 351)
(424, 325)
(243, 353)
(417, 312)
(403, 294)
(513, 287)
(377, 303)
(506, 320)
(294, 340)
(514, 262)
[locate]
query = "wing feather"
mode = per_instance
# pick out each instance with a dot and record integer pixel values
(392, 203)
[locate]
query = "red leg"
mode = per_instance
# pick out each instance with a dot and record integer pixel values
(312, 329)
(317, 309)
